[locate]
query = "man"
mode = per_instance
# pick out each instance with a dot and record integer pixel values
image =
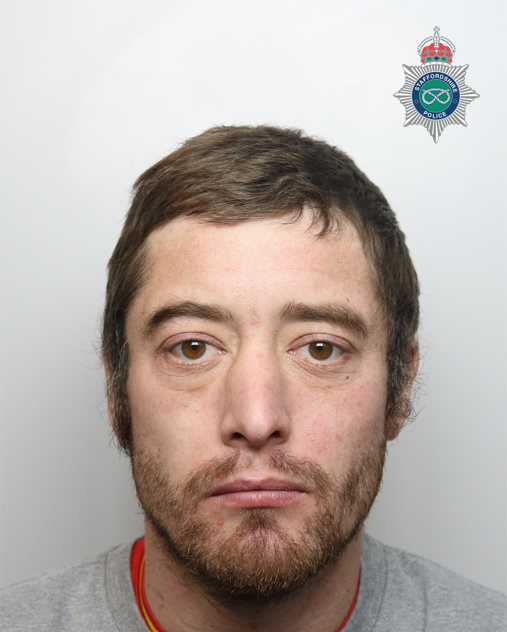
(260, 347)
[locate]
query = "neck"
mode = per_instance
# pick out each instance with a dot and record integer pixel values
(180, 605)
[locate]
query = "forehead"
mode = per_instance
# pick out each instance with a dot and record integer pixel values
(256, 265)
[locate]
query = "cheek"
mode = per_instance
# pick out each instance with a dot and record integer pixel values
(339, 421)
(169, 422)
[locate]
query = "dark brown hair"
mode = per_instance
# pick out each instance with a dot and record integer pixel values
(235, 174)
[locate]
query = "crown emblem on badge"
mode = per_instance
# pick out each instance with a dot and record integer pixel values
(435, 94)
(437, 50)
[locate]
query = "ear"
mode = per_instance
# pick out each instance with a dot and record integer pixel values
(110, 398)
(394, 428)
(413, 368)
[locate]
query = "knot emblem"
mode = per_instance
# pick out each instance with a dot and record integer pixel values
(436, 93)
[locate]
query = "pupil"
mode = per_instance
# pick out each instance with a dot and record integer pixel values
(193, 349)
(321, 350)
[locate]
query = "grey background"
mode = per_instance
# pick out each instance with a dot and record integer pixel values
(95, 92)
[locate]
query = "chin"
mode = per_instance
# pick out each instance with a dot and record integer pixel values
(258, 560)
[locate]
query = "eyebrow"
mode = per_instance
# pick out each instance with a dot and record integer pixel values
(186, 309)
(290, 313)
(329, 312)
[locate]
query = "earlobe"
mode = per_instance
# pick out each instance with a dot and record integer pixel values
(394, 427)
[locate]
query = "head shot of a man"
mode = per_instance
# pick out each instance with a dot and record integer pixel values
(260, 348)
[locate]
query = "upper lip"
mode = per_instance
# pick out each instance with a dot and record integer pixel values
(265, 484)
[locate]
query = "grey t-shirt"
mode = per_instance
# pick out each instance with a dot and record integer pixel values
(399, 592)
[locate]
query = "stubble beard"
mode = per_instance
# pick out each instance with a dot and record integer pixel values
(259, 563)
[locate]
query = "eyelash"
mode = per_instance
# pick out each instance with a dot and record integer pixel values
(337, 351)
(189, 360)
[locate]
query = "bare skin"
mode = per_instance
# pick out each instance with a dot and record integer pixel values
(261, 378)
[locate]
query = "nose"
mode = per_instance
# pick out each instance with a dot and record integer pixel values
(255, 413)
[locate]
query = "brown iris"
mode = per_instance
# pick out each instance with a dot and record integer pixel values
(320, 350)
(193, 349)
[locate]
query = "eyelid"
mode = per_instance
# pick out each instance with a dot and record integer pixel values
(175, 341)
(336, 341)
(339, 345)
(325, 360)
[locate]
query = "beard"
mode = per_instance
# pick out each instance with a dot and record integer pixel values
(260, 563)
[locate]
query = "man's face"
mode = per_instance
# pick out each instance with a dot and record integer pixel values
(257, 388)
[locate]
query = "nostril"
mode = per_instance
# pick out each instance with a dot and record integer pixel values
(237, 435)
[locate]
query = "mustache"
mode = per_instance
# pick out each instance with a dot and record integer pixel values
(203, 479)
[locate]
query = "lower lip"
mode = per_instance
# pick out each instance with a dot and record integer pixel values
(259, 498)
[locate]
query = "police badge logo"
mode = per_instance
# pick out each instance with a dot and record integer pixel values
(435, 94)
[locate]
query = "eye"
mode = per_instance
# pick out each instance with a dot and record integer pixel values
(193, 349)
(320, 350)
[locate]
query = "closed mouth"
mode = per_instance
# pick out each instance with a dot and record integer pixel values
(263, 485)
